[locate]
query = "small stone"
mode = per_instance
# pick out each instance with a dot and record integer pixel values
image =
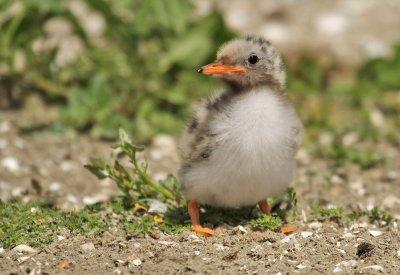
(136, 262)
(301, 266)
(337, 269)
(241, 229)
(19, 192)
(88, 247)
(365, 249)
(23, 248)
(88, 200)
(60, 238)
(315, 225)
(197, 253)
(158, 207)
(11, 164)
(23, 259)
(348, 235)
(350, 263)
(1, 250)
(392, 175)
(66, 166)
(375, 232)
(306, 234)
(375, 267)
(72, 199)
(54, 186)
(219, 247)
(398, 253)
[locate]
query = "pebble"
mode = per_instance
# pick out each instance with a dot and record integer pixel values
(197, 253)
(301, 266)
(315, 225)
(11, 164)
(375, 232)
(306, 234)
(158, 207)
(392, 175)
(337, 269)
(60, 238)
(54, 186)
(89, 200)
(194, 238)
(136, 262)
(375, 267)
(66, 166)
(349, 263)
(23, 259)
(88, 247)
(23, 248)
(19, 192)
(348, 235)
(1, 250)
(241, 229)
(72, 199)
(220, 247)
(398, 253)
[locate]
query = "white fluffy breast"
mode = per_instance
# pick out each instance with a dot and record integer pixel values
(253, 158)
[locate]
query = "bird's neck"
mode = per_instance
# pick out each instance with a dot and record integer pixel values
(237, 88)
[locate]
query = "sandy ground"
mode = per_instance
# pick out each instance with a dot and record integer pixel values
(55, 162)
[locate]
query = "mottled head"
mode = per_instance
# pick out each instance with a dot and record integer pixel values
(248, 62)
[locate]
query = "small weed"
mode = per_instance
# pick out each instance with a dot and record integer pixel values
(322, 213)
(377, 215)
(266, 222)
(134, 183)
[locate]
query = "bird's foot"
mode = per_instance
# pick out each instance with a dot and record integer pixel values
(204, 231)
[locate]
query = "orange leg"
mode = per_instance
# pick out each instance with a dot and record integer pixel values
(264, 207)
(193, 209)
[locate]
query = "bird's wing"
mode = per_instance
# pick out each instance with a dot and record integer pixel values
(194, 142)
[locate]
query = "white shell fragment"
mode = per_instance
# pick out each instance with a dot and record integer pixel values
(375, 232)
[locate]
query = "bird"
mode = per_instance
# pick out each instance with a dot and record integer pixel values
(239, 146)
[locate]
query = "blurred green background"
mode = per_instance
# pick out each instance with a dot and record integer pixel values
(131, 64)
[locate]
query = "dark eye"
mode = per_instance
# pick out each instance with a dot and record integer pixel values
(253, 59)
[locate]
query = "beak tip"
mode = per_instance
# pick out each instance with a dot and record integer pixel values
(200, 70)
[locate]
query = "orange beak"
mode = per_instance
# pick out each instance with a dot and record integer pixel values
(221, 69)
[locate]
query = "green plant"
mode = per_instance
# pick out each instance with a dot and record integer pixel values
(134, 183)
(322, 213)
(266, 222)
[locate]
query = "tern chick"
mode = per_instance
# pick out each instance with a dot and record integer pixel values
(239, 147)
